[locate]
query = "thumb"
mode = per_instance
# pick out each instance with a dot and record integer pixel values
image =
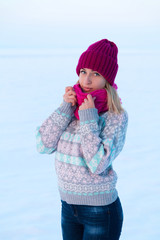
(94, 98)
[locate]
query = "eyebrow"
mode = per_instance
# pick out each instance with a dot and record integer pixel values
(91, 70)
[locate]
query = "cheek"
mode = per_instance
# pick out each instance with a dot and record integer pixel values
(80, 80)
(100, 83)
(103, 83)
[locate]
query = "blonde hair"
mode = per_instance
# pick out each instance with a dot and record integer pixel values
(113, 101)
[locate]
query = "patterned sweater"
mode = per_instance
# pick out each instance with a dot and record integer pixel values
(84, 152)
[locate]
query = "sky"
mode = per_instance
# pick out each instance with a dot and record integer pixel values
(52, 24)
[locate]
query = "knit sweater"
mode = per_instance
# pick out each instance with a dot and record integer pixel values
(84, 152)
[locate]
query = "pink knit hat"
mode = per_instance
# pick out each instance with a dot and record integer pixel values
(101, 56)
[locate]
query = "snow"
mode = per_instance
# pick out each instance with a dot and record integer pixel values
(32, 87)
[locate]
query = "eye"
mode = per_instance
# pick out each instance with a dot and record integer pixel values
(96, 74)
(82, 71)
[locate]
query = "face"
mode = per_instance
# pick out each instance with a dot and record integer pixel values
(90, 80)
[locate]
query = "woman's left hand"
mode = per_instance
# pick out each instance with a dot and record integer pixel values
(88, 103)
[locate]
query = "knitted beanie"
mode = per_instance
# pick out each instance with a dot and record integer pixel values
(101, 56)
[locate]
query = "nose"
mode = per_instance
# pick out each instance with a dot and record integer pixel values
(88, 79)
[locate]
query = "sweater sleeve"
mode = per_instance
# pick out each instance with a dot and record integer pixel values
(48, 135)
(101, 145)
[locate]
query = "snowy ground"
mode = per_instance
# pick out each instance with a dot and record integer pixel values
(31, 88)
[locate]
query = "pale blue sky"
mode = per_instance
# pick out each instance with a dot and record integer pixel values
(50, 23)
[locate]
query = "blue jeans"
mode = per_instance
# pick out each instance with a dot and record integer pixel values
(81, 222)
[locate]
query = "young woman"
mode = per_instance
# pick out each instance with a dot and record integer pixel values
(87, 132)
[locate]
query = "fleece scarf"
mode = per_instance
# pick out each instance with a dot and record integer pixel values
(100, 101)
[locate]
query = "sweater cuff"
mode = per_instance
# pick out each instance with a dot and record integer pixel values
(88, 114)
(67, 108)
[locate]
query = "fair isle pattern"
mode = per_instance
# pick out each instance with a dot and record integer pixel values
(80, 188)
(88, 127)
(71, 137)
(105, 148)
(85, 193)
(80, 161)
(40, 147)
(85, 122)
(62, 114)
(85, 151)
(68, 148)
(93, 164)
(70, 159)
(69, 173)
(53, 128)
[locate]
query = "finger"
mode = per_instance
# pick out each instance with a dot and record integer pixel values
(74, 103)
(68, 98)
(81, 106)
(71, 92)
(71, 101)
(89, 96)
(68, 88)
(72, 97)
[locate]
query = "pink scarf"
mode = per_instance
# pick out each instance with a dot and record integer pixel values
(100, 101)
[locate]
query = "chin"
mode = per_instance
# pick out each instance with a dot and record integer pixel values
(86, 91)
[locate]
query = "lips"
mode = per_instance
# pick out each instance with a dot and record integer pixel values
(87, 89)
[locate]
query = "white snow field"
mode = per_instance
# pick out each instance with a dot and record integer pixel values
(32, 84)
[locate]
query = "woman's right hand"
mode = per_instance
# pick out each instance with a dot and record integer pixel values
(70, 96)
